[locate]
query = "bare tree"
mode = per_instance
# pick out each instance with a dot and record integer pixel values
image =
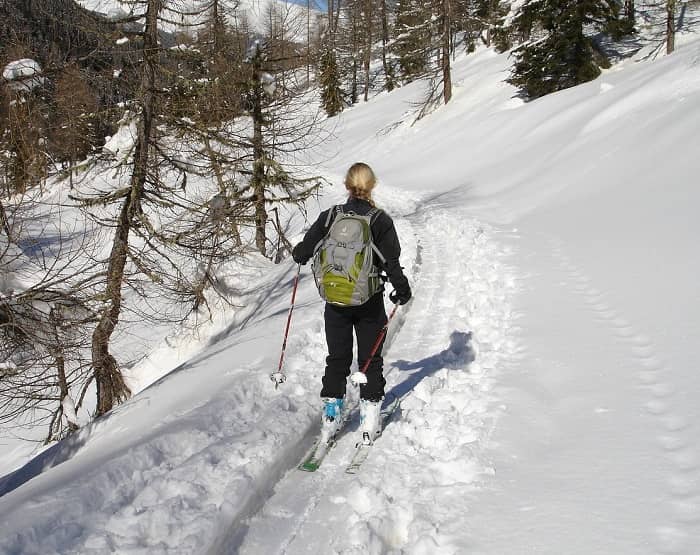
(111, 387)
(670, 26)
(44, 320)
(369, 36)
(446, 49)
(280, 131)
(211, 155)
(389, 72)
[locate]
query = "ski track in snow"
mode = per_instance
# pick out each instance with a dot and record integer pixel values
(432, 448)
(672, 435)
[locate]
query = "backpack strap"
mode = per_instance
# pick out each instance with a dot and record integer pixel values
(332, 213)
(373, 215)
(378, 253)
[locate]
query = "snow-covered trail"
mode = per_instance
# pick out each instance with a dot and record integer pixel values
(411, 492)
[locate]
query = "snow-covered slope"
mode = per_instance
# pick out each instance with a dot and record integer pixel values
(548, 360)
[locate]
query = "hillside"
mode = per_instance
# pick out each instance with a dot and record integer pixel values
(60, 27)
(547, 365)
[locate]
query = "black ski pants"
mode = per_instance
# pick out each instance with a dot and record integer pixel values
(367, 321)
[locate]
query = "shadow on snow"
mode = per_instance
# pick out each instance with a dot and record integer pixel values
(458, 355)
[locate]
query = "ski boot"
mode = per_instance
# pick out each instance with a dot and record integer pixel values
(370, 420)
(332, 417)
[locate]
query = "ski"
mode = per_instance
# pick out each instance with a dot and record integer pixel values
(316, 454)
(362, 450)
(314, 457)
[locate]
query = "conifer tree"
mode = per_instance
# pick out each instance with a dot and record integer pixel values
(488, 15)
(559, 54)
(329, 77)
(412, 41)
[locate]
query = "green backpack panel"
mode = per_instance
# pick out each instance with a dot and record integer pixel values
(343, 263)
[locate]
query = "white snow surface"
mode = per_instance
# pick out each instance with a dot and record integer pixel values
(547, 364)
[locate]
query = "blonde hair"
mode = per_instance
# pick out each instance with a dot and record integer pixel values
(360, 180)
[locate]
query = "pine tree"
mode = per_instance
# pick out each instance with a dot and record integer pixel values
(331, 93)
(488, 15)
(559, 54)
(412, 41)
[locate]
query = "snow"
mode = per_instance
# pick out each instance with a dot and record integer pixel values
(547, 363)
(23, 75)
(122, 142)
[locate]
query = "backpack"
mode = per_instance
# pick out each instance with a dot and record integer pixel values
(343, 261)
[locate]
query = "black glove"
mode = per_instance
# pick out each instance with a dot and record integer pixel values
(297, 255)
(400, 297)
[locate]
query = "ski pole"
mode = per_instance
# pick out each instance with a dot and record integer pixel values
(279, 377)
(360, 376)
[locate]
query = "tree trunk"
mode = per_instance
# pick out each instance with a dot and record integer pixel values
(331, 27)
(368, 45)
(488, 21)
(258, 182)
(670, 26)
(446, 70)
(308, 43)
(388, 71)
(4, 221)
(356, 40)
(111, 387)
(58, 353)
(353, 87)
(629, 12)
(219, 174)
(215, 28)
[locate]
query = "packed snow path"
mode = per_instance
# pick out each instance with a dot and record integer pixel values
(454, 337)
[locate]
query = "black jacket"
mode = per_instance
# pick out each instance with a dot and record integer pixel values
(383, 233)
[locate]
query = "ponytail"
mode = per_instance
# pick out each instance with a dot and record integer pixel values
(360, 181)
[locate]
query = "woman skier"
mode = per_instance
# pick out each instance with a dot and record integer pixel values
(366, 319)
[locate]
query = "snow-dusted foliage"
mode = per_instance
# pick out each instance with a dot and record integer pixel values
(23, 75)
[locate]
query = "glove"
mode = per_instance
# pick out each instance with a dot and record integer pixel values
(297, 255)
(400, 297)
